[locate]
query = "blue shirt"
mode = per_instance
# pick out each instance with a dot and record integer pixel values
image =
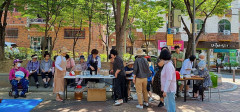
(128, 69)
(90, 59)
(153, 73)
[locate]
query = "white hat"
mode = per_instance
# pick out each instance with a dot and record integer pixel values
(64, 50)
(130, 62)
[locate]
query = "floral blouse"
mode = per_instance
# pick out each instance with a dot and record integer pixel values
(207, 79)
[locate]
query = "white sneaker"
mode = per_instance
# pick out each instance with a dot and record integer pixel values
(188, 94)
(181, 94)
(150, 99)
(118, 103)
(145, 104)
(139, 106)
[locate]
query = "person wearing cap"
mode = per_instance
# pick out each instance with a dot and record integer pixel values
(129, 73)
(141, 72)
(82, 66)
(149, 83)
(33, 68)
(120, 75)
(204, 73)
(46, 68)
(15, 80)
(60, 72)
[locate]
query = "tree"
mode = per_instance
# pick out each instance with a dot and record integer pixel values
(121, 22)
(204, 9)
(148, 19)
(48, 10)
(5, 4)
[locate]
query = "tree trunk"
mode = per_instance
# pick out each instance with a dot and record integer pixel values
(90, 35)
(189, 48)
(2, 44)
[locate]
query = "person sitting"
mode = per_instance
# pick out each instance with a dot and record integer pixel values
(82, 66)
(129, 73)
(33, 68)
(19, 75)
(46, 68)
(204, 73)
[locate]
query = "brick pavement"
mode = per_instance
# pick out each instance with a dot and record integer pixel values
(229, 103)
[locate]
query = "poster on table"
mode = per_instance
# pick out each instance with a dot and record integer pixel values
(162, 43)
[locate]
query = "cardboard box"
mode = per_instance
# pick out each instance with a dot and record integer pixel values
(95, 94)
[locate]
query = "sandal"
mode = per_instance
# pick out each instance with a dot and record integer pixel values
(59, 99)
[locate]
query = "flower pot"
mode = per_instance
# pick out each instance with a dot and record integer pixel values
(236, 68)
(228, 68)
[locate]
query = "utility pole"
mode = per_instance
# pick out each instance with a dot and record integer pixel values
(169, 21)
(193, 30)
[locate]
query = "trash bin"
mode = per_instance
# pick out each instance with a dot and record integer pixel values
(214, 79)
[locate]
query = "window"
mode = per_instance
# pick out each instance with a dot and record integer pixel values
(224, 26)
(199, 23)
(36, 43)
(11, 33)
(71, 33)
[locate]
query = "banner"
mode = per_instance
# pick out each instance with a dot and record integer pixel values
(162, 43)
(233, 57)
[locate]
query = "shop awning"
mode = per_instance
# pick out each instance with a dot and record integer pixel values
(222, 50)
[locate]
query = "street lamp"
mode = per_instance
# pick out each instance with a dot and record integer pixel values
(193, 30)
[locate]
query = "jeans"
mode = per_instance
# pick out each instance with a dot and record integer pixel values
(170, 102)
(24, 82)
(44, 75)
(35, 76)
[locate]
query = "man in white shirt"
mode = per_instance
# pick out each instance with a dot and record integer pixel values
(186, 70)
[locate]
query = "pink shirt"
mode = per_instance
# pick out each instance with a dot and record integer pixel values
(70, 63)
(168, 78)
(12, 72)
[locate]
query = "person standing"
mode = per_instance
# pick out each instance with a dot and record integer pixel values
(186, 70)
(141, 72)
(46, 68)
(129, 73)
(157, 79)
(15, 79)
(178, 58)
(149, 83)
(70, 68)
(168, 81)
(119, 73)
(60, 72)
(33, 68)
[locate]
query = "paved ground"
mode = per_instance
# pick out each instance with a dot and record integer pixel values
(229, 102)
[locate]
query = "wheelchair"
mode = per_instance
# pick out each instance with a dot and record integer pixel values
(20, 88)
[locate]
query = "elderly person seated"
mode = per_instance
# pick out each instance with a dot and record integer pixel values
(204, 73)
(19, 75)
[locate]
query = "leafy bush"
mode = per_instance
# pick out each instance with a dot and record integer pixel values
(127, 57)
(103, 57)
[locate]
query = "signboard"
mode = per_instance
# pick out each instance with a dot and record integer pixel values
(170, 39)
(232, 54)
(162, 43)
(218, 45)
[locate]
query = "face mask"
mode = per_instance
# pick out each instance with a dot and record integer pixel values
(19, 65)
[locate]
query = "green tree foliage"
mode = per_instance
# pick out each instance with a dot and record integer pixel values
(204, 9)
(147, 18)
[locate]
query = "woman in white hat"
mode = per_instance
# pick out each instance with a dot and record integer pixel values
(60, 71)
(129, 73)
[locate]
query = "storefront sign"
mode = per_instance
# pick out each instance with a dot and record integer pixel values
(162, 43)
(218, 45)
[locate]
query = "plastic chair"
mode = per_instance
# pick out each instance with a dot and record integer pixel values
(214, 79)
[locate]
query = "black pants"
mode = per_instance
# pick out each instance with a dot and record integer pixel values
(35, 76)
(120, 87)
(44, 75)
(197, 87)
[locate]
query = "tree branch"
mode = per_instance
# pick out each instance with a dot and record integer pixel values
(188, 6)
(200, 5)
(185, 27)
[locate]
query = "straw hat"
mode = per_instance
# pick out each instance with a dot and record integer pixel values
(130, 62)
(64, 50)
(140, 52)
